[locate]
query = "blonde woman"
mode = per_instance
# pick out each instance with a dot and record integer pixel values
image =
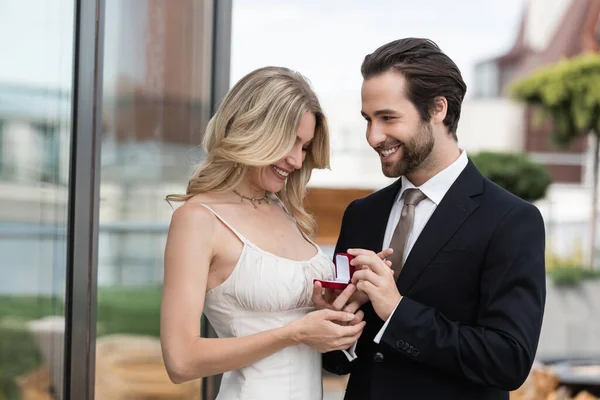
(238, 249)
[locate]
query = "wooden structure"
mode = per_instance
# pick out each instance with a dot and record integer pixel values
(327, 205)
(128, 367)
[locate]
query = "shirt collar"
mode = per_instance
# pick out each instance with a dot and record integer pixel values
(436, 187)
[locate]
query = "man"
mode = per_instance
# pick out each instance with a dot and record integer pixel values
(460, 316)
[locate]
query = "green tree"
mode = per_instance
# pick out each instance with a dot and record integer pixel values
(515, 172)
(568, 92)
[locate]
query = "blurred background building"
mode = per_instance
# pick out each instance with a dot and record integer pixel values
(163, 67)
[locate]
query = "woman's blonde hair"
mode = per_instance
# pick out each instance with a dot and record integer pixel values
(255, 126)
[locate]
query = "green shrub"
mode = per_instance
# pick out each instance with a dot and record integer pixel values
(120, 310)
(515, 172)
(572, 275)
(18, 354)
(129, 310)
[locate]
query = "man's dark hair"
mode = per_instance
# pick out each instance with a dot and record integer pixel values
(429, 73)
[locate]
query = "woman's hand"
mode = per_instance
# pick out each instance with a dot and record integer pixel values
(322, 330)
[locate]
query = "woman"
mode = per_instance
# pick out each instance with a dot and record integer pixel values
(238, 249)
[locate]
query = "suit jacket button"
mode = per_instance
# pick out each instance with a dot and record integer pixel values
(378, 357)
(406, 346)
(415, 353)
(399, 344)
(410, 350)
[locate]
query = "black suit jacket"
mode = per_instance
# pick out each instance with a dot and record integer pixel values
(474, 293)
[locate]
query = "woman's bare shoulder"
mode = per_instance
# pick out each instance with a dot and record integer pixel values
(193, 216)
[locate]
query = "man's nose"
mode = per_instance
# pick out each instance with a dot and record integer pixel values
(375, 135)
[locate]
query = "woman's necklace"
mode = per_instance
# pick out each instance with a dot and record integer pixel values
(254, 200)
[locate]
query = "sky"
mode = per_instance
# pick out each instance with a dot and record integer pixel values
(323, 39)
(326, 40)
(36, 42)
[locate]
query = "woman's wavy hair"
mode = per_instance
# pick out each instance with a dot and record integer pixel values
(255, 126)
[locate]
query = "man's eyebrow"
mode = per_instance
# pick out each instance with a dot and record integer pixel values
(378, 113)
(384, 112)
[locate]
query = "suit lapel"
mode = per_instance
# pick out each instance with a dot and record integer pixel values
(454, 209)
(379, 215)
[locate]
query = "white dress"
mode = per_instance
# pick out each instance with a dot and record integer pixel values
(264, 292)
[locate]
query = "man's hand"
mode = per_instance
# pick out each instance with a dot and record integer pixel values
(375, 279)
(349, 299)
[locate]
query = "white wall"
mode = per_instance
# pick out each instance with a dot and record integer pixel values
(486, 124)
(21, 144)
(491, 124)
(571, 325)
(23, 149)
(543, 19)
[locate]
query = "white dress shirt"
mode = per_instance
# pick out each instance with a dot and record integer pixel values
(435, 189)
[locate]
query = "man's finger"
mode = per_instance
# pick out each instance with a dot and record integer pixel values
(366, 275)
(366, 287)
(372, 261)
(385, 253)
(343, 297)
(358, 252)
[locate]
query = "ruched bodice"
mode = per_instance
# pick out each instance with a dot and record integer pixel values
(265, 292)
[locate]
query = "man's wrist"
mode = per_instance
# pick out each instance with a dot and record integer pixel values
(392, 308)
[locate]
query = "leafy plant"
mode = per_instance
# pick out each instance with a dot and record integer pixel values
(569, 270)
(18, 354)
(568, 92)
(572, 276)
(515, 172)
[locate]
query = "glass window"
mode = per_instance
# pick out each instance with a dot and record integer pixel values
(156, 103)
(35, 136)
(2, 146)
(487, 80)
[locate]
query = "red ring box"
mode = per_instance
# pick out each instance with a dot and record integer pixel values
(343, 272)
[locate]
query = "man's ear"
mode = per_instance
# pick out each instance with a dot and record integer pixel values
(440, 109)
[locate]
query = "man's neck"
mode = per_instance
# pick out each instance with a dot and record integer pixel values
(434, 164)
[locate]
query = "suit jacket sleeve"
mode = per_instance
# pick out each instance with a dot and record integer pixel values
(336, 362)
(499, 351)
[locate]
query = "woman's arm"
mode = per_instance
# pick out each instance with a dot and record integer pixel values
(189, 251)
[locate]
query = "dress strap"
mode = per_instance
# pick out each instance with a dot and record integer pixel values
(239, 235)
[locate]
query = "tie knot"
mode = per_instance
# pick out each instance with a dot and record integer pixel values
(413, 196)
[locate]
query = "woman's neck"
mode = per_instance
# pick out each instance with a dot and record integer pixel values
(249, 189)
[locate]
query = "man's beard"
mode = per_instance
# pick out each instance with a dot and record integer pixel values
(414, 152)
